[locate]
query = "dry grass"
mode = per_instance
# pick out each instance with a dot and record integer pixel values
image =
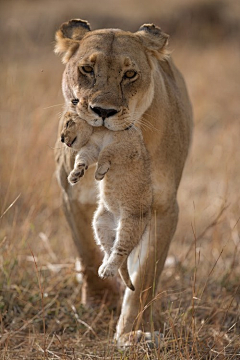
(198, 301)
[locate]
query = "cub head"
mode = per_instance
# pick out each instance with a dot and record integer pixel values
(76, 132)
(109, 74)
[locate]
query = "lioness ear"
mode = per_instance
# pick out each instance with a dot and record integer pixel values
(68, 37)
(154, 39)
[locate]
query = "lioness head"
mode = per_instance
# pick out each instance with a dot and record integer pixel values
(76, 132)
(109, 73)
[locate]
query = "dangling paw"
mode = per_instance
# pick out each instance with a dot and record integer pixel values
(107, 270)
(101, 171)
(77, 173)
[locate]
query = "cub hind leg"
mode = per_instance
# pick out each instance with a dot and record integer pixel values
(129, 233)
(104, 230)
(104, 227)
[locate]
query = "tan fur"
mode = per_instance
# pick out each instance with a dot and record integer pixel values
(125, 192)
(134, 82)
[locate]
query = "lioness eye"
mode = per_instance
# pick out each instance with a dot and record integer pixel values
(87, 69)
(130, 74)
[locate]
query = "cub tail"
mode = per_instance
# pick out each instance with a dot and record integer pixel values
(123, 272)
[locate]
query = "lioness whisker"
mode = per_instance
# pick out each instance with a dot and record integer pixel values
(51, 106)
(146, 125)
(146, 114)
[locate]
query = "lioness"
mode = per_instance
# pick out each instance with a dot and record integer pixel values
(115, 79)
(125, 194)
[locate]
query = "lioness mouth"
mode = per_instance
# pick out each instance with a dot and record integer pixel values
(70, 144)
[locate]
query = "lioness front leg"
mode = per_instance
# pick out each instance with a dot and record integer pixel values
(146, 265)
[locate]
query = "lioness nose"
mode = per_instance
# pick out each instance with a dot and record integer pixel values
(104, 113)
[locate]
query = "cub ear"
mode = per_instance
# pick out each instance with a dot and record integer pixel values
(68, 37)
(154, 40)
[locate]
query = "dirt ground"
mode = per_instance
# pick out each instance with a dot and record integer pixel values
(41, 316)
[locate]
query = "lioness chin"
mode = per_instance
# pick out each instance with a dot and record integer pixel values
(116, 79)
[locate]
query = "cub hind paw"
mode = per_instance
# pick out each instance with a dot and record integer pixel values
(107, 270)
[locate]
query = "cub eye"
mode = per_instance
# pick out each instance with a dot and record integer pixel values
(130, 74)
(69, 123)
(87, 69)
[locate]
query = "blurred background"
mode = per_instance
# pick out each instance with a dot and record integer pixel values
(205, 45)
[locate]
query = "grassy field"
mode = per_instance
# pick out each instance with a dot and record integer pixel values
(41, 316)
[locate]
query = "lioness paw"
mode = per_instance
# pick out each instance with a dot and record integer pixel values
(107, 270)
(152, 340)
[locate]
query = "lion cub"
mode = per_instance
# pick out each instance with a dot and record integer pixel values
(125, 192)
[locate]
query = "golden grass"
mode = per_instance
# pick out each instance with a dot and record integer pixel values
(41, 316)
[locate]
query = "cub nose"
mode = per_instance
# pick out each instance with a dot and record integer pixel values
(104, 113)
(62, 138)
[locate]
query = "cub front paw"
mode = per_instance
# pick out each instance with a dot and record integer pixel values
(77, 173)
(107, 270)
(102, 170)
